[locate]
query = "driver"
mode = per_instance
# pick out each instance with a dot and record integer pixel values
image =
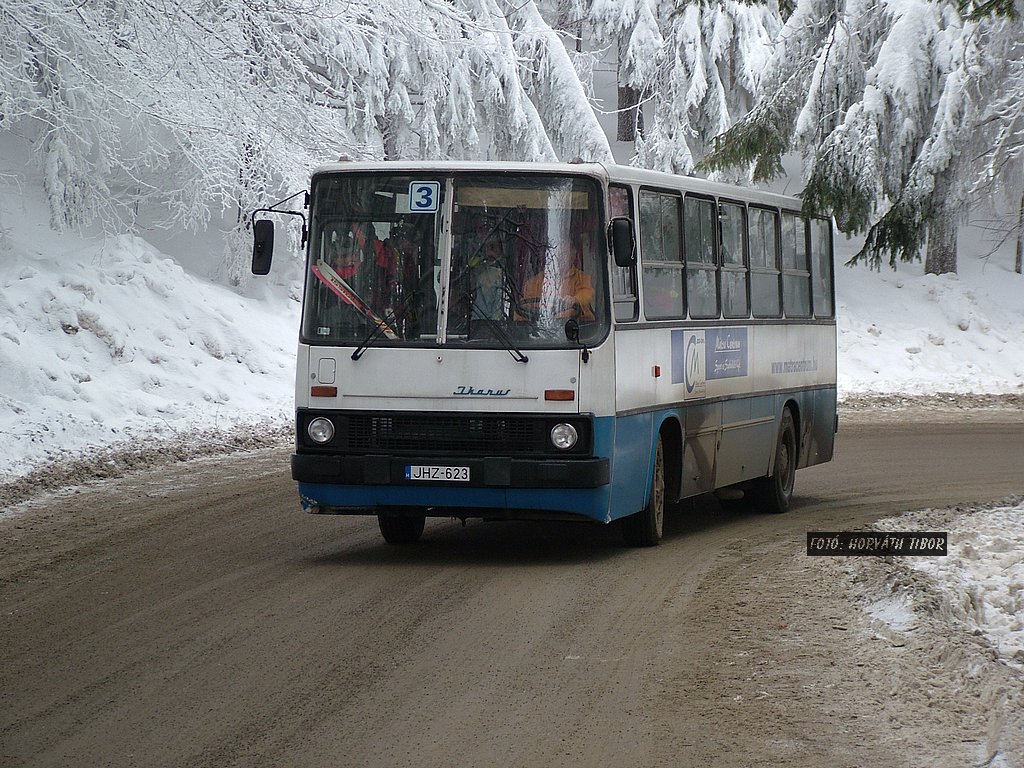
(563, 284)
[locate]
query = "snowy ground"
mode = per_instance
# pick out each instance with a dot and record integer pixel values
(911, 333)
(108, 340)
(982, 579)
(123, 342)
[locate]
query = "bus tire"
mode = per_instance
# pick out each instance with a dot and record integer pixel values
(645, 528)
(405, 529)
(772, 494)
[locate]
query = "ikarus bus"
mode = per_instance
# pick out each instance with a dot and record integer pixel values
(554, 341)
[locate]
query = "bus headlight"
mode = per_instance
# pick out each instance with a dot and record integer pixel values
(564, 436)
(320, 430)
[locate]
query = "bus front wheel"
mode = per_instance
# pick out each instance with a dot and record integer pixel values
(401, 529)
(645, 528)
(772, 494)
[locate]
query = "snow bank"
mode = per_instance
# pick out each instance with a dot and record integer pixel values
(913, 333)
(117, 342)
(982, 577)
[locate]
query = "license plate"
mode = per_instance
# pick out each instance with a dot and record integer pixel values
(417, 472)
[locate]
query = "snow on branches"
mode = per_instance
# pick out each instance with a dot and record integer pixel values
(188, 110)
(883, 100)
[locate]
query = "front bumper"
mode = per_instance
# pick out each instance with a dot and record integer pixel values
(487, 472)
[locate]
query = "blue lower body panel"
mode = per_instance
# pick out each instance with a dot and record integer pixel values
(546, 487)
(632, 464)
(498, 502)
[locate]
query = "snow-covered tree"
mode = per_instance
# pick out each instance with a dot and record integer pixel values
(1001, 176)
(882, 101)
(694, 66)
(715, 55)
(183, 106)
(631, 30)
(186, 110)
(551, 81)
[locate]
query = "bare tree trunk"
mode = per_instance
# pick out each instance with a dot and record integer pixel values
(570, 24)
(631, 117)
(385, 126)
(941, 254)
(1017, 267)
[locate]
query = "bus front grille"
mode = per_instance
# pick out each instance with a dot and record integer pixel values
(431, 433)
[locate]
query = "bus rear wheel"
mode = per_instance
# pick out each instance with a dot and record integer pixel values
(773, 494)
(401, 529)
(645, 528)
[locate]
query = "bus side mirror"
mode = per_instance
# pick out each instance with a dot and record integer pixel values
(623, 244)
(262, 246)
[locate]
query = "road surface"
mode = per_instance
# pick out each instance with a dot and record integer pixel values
(190, 615)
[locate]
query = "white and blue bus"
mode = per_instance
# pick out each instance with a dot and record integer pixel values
(555, 341)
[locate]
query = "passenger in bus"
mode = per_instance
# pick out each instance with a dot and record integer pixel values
(359, 259)
(561, 287)
(401, 251)
(487, 277)
(409, 280)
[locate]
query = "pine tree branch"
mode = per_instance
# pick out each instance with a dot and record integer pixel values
(973, 11)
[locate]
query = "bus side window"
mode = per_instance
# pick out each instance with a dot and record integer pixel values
(662, 256)
(821, 267)
(765, 300)
(700, 241)
(796, 275)
(732, 224)
(624, 294)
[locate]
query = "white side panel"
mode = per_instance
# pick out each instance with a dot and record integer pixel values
(788, 357)
(705, 362)
(636, 355)
(597, 381)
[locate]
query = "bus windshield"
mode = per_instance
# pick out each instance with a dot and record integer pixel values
(525, 255)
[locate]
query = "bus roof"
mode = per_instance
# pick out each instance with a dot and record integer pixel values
(609, 172)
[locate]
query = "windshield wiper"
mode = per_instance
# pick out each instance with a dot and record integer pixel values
(386, 323)
(502, 334)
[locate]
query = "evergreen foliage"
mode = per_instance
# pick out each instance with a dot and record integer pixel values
(891, 95)
(757, 138)
(975, 11)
